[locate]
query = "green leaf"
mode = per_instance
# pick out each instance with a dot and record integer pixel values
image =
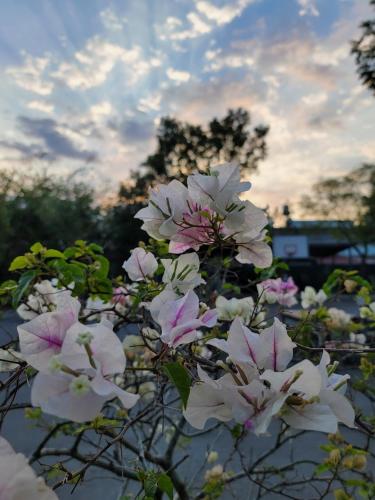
(103, 266)
(23, 284)
(319, 469)
(94, 247)
(165, 484)
(33, 413)
(19, 263)
(54, 254)
(179, 376)
(7, 286)
(37, 248)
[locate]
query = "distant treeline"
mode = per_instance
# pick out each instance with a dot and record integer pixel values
(57, 211)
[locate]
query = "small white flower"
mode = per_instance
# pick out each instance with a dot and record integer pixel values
(80, 385)
(84, 338)
(55, 365)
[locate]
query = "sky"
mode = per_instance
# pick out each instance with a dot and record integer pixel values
(83, 84)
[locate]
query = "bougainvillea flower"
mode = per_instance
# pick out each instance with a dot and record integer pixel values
(45, 298)
(310, 297)
(17, 478)
(90, 356)
(314, 403)
(140, 265)
(277, 290)
(252, 404)
(209, 399)
(220, 189)
(196, 228)
(179, 320)
(272, 348)
(182, 274)
(228, 309)
(43, 336)
(166, 205)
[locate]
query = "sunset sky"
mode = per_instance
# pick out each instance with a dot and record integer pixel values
(84, 83)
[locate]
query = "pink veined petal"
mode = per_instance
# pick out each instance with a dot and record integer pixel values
(277, 347)
(182, 334)
(243, 345)
(241, 338)
(209, 318)
(176, 247)
(179, 311)
(43, 337)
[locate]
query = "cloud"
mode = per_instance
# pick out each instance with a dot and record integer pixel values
(111, 21)
(172, 29)
(304, 85)
(27, 151)
(95, 62)
(202, 20)
(133, 129)
(178, 76)
(30, 76)
(44, 107)
(226, 13)
(150, 103)
(52, 136)
(100, 110)
(308, 8)
(296, 56)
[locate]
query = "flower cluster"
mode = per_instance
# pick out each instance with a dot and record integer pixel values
(187, 325)
(208, 212)
(76, 363)
(258, 385)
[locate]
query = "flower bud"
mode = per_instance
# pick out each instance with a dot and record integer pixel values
(350, 285)
(212, 457)
(341, 495)
(214, 474)
(348, 462)
(359, 462)
(54, 364)
(334, 457)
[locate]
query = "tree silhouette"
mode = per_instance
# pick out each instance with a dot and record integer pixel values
(183, 148)
(349, 197)
(364, 50)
